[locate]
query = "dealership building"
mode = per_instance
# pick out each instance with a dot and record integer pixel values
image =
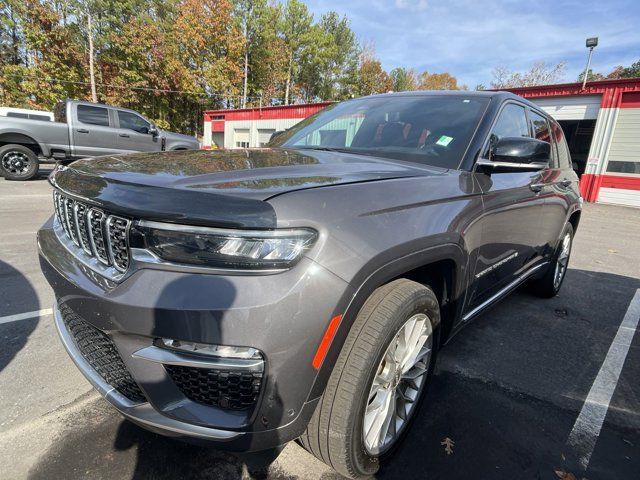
(601, 124)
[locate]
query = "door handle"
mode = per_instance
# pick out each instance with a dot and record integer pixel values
(82, 130)
(125, 135)
(536, 187)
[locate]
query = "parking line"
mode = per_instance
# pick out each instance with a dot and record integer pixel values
(587, 427)
(26, 315)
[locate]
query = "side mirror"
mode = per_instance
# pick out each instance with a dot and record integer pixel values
(514, 154)
(153, 130)
(275, 135)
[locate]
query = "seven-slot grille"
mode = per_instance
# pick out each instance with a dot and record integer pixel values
(98, 233)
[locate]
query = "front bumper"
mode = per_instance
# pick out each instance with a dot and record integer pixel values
(283, 316)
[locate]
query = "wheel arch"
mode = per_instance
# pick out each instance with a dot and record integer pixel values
(7, 138)
(441, 267)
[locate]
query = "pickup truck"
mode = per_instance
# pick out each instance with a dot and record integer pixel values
(302, 291)
(80, 129)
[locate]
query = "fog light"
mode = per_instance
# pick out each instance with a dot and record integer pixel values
(224, 351)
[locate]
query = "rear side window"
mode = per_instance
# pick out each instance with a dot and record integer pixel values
(17, 115)
(564, 156)
(133, 122)
(93, 115)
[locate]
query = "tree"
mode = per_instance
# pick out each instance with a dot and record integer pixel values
(372, 78)
(294, 30)
(438, 81)
(540, 73)
(632, 71)
(591, 76)
(403, 79)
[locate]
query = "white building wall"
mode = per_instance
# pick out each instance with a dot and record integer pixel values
(255, 127)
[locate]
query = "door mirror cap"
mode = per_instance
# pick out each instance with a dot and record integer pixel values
(516, 154)
(153, 130)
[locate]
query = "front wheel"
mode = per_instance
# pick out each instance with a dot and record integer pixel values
(18, 162)
(378, 381)
(549, 284)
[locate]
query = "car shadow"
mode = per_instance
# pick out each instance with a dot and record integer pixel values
(508, 389)
(18, 296)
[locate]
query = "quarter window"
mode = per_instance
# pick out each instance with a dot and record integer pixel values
(93, 115)
(133, 122)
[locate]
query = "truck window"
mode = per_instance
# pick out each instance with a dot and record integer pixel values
(133, 122)
(17, 115)
(563, 149)
(93, 115)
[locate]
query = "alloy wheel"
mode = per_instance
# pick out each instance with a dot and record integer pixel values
(397, 385)
(562, 262)
(16, 163)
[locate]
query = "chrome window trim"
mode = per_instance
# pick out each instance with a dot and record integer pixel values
(228, 232)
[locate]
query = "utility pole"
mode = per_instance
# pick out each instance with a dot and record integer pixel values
(94, 96)
(591, 44)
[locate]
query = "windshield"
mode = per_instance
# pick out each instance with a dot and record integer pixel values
(429, 129)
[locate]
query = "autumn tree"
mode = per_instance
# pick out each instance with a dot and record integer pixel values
(438, 81)
(541, 73)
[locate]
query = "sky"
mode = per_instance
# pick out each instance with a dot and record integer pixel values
(470, 38)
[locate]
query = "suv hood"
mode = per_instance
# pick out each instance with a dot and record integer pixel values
(221, 187)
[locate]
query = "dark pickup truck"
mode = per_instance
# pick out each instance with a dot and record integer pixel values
(80, 130)
(249, 298)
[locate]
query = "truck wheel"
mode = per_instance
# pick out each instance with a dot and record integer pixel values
(18, 162)
(549, 284)
(377, 383)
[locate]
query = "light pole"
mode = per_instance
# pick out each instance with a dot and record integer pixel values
(591, 44)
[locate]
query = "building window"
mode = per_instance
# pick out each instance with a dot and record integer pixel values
(242, 144)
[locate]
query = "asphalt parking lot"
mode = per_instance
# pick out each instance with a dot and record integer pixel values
(519, 391)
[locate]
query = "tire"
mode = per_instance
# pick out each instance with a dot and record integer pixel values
(549, 284)
(18, 162)
(335, 433)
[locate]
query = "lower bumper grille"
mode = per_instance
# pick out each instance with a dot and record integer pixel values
(100, 352)
(227, 389)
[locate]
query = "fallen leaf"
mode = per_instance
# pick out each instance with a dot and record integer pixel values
(561, 474)
(448, 445)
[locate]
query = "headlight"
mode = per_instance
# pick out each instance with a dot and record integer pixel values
(226, 248)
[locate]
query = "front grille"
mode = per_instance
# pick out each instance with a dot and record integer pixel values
(228, 389)
(98, 233)
(100, 352)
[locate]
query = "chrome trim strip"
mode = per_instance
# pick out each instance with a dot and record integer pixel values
(91, 235)
(521, 278)
(170, 357)
(90, 261)
(143, 413)
(534, 166)
(110, 247)
(77, 223)
(276, 233)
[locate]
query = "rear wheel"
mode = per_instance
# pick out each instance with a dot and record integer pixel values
(378, 381)
(549, 284)
(18, 162)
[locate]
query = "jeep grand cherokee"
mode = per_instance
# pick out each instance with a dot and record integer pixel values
(302, 291)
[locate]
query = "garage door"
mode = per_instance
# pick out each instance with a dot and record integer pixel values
(621, 184)
(264, 135)
(578, 107)
(241, 138)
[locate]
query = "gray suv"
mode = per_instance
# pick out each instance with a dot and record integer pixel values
(250, 298)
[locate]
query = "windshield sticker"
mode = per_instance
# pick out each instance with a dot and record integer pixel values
(444, 140)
